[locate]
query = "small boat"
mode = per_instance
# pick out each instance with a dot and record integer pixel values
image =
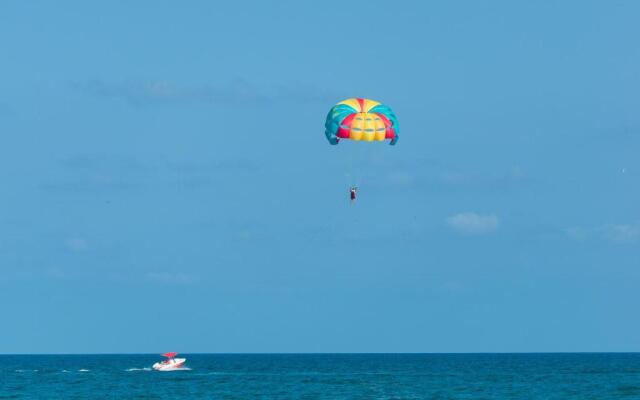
(170, 364)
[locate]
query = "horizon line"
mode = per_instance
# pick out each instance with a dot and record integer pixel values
(327, 353)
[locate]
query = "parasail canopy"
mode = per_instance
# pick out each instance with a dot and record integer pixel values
(361, 119)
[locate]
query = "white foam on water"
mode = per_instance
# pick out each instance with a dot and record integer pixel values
(138, 369)
(83, 370)
(176, 369)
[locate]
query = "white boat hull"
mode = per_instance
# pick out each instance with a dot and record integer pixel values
(169, 365)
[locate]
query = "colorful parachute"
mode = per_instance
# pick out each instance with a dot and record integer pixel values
(361, 119)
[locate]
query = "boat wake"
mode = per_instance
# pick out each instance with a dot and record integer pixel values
(175, 369)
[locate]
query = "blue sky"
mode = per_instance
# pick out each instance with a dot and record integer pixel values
(165, 163)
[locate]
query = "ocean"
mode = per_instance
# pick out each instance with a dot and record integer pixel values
(325, 376)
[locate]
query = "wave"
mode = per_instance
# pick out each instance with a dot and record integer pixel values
(138, 369)
(83, 370)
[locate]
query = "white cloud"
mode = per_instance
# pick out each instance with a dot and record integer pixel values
(614, 233)
(472, 223)
(577, 233)
(621, 233)
(77, 244)
(170, 278)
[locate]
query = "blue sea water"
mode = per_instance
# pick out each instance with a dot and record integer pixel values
(325, 376)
